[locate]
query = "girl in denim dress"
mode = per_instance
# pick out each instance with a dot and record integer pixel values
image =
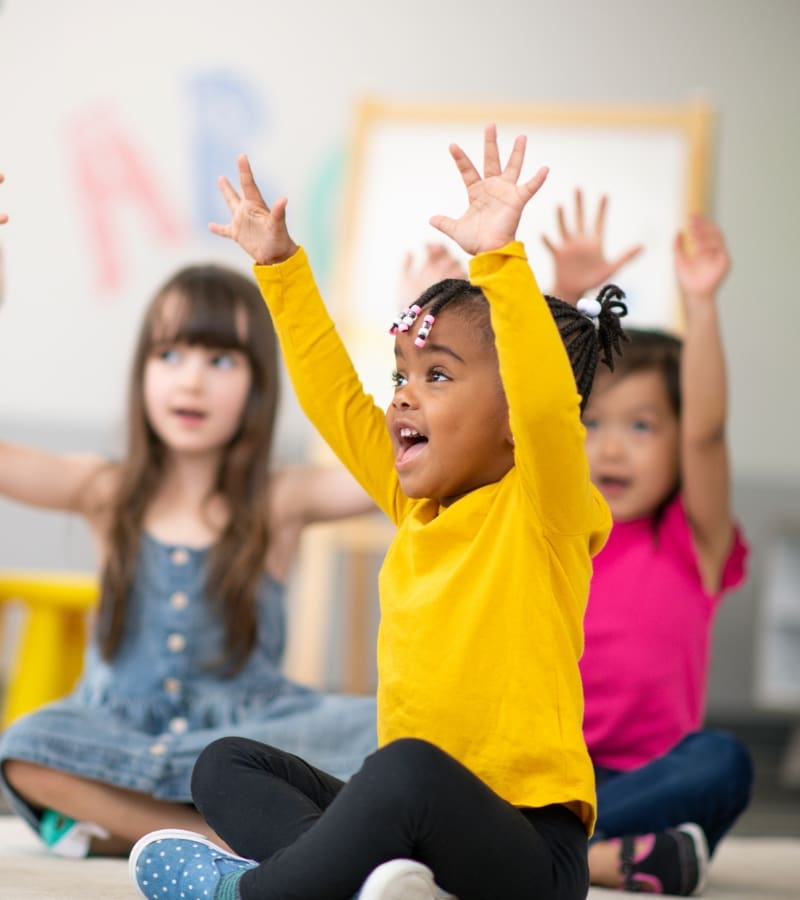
(196, 536)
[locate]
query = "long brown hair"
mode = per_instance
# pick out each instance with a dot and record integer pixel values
(213, 301)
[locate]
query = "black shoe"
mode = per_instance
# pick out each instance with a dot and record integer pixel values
(676, 862)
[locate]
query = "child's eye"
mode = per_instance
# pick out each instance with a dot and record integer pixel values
(223, 360)
(590, 424)
(398, 380)
(438, 375)
(169, 354)
(641, 425)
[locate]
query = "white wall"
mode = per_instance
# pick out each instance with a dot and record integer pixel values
(70, 74)
(186, 84)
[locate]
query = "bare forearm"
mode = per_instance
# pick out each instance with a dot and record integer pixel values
(703, 374)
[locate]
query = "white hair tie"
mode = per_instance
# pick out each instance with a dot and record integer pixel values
(589, 307)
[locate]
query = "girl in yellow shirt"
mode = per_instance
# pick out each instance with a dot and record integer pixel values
(482, 779)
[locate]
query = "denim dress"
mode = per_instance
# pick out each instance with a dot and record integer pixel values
(140, 720)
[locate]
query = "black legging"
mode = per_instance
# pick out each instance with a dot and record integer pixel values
(409, 800)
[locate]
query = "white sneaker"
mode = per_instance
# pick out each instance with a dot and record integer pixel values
(66, 837)
(402, 879)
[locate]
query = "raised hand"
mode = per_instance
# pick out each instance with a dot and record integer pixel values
(437, 264)
(701, 269)
(496, 200)
(3, 216)
(579, 261)
(259, 230)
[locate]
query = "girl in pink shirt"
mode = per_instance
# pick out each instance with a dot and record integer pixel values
(667, 791)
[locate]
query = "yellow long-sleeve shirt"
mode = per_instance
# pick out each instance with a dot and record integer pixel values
(482, 601)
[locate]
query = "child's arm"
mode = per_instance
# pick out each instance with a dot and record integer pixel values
(579, 262)
(3, 220)
(60, 482)
(323, 376)
(301, 495)
(54, 481)
(3, 216)
(704, 450)
(537, 378)
(321, 493)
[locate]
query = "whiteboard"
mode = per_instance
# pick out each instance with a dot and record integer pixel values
(651, 161)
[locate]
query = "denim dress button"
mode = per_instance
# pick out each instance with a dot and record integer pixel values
(179, 557)
(176, 642)
(179, 600)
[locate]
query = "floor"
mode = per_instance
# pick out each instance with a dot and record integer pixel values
(759, 860)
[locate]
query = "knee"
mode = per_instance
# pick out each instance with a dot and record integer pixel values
(409, 766)
(728, 762)
(211, 767)
(725, 753)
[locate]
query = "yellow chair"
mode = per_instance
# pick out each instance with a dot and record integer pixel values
(49, 656)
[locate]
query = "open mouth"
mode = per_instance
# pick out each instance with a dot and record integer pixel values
(192, 416)
(412, 443)
(612, 484)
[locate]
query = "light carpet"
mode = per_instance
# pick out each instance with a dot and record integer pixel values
(745, 868)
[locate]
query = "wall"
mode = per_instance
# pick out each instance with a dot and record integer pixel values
(145, 103)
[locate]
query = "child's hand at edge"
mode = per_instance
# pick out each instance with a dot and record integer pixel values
(700, 269)
(496, 200)
(579, 262)
(437, 264)
(3, 220)
(3, 216)
(258, 230)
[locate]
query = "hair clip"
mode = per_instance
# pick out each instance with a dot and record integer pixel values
(398, 321)
(589, 307)
(409, 317)
(424, 330)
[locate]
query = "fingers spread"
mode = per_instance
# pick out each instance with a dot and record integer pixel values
(232, 199)
(562, 223)
(491, 155)
(600, 218)
(444, 224)
(250, 189)
(532, 186)
(579, 210)
(626, 257)
(469, 174)
(517, 157)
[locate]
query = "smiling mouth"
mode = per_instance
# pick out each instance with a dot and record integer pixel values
(412, 443)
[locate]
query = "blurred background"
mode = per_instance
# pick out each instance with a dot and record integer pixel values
(116, 119)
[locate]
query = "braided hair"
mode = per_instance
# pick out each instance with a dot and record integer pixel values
(586, 343)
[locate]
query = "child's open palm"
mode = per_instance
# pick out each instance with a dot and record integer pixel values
(496, 200)
(701, 271)
(579, 262)
(259, 230)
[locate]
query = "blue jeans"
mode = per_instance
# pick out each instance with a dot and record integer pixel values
(706, 778)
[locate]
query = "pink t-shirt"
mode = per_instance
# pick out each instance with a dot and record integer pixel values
(648, 633)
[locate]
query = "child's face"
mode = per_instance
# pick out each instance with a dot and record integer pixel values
(632, 440)
(194, 395)
(449, 418)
